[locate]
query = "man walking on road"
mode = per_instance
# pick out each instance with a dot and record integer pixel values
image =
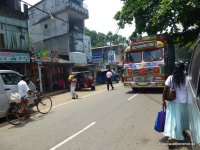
(109, 79)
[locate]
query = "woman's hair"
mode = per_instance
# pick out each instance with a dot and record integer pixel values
(179, 74)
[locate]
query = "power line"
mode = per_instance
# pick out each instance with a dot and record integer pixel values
(52, 16)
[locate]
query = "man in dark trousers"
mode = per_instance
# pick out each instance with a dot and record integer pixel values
(109, 79)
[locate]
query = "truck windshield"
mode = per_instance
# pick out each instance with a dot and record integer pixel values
(153, 55)
(134, 57)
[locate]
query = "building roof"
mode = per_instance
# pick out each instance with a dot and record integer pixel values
(106, 47)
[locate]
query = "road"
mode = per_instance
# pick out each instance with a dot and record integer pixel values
(118, 119)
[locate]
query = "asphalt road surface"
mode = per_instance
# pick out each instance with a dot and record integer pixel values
(118, 119)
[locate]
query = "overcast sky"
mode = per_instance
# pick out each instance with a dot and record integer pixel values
(101, 13)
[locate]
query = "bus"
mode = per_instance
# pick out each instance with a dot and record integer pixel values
(148, 61)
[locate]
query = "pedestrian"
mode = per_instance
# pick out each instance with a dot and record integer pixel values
(73, 87)
(109, 79)
(177, 115)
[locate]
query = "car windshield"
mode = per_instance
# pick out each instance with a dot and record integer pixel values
(10, 78)
(152, 55)
(134, 57)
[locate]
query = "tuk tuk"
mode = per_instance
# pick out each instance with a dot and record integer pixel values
(101, 76)
(84, 80)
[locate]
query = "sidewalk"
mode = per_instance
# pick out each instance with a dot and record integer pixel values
(56, 92)
(53, 93)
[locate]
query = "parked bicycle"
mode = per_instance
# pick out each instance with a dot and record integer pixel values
(15, 116)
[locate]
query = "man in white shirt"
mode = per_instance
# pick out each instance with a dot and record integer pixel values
(109, 79)
(23, 88)
(24, 91)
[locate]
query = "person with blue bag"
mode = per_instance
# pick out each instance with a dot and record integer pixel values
(177, 115)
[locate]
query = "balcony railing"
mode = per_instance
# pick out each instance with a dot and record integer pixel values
(79, 9)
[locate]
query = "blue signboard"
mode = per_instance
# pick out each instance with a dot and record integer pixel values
(97, 58)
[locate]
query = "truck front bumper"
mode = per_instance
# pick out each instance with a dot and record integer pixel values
(144, 84)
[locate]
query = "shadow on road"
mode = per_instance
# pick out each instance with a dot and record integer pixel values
(185, 144)
(146, 91)
(34, 117)
(149, 90)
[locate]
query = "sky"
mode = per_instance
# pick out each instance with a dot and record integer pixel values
(101, 14)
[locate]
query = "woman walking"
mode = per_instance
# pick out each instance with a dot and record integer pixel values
(73, 87)
(177, 121)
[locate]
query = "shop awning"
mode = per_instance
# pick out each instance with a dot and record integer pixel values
(59, 61)
(83, 65)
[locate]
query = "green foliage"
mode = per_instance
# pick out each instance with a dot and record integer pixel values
(179, 18)
(100, 39)
(184, 52)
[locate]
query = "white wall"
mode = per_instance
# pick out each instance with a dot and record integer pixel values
(78, 57)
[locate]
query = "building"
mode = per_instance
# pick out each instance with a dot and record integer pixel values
(107, 56)
(56, 28)
(14, 40)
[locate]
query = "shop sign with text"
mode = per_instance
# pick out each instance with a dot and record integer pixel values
(14, 57)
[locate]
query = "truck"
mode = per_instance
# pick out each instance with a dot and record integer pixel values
(148, 61)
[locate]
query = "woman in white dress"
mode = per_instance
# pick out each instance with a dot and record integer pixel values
(177, 121)
(73, 87)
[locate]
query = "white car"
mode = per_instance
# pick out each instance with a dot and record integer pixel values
(8, 84)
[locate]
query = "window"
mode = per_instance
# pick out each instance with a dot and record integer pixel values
(153, 55)
(134, 57)
(57, 2)
(44, 7)
(2, 41)
(45, 26)
(10, 78)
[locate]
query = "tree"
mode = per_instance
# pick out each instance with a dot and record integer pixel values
(100, 39)
(97, 39)
(183, 53)
(179, 18)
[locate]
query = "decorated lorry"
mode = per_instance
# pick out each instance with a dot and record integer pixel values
(148, 61)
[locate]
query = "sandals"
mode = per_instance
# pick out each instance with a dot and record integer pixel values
(170, 143)
(186, 134)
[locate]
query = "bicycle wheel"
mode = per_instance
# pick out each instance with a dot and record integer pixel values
(44, 104)
(14, 116)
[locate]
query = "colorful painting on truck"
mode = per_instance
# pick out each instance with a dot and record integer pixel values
(146, 63)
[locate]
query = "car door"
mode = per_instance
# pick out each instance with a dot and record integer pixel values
(9, 83)
(3, 100)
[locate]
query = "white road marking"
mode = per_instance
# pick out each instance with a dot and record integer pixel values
(97, 92)
(132, 97)
(73, 136)
(82, 97)
(62, 104)
(93, 94)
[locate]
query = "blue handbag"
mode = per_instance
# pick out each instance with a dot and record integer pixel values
(160, 121)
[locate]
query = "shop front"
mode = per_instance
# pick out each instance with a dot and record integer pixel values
(52, 72)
